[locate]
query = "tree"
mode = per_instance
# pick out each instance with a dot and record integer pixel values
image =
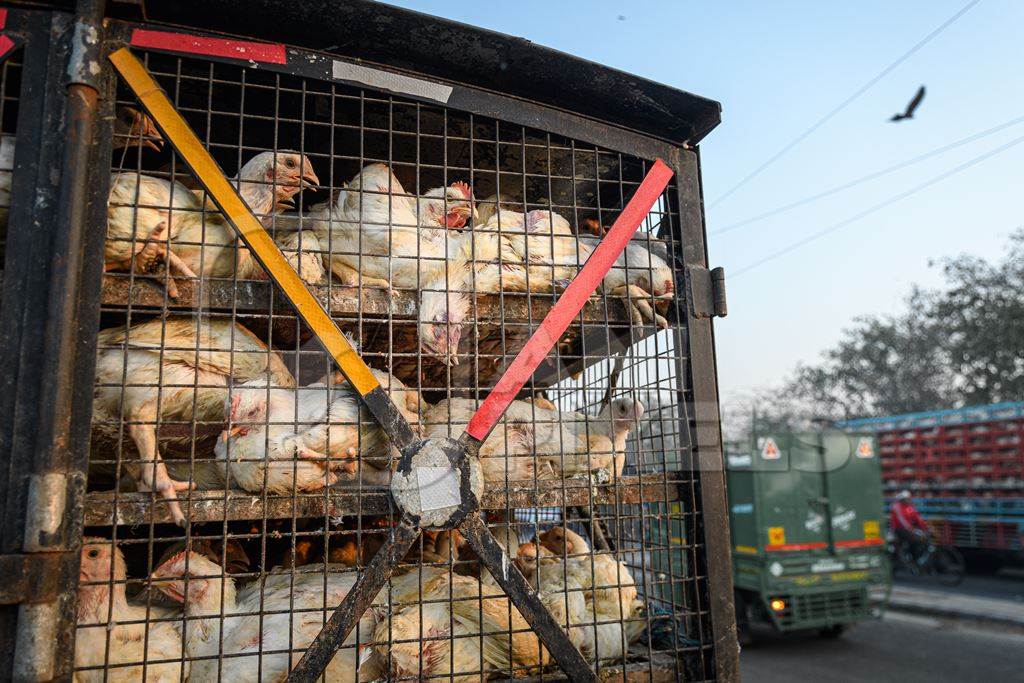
(982, 312)
(960, 344)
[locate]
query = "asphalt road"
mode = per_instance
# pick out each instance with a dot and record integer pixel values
(1007, 585)
(900, 647)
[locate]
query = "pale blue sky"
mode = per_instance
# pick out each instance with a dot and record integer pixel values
(777, 67)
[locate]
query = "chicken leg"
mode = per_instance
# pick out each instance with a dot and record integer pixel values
(154, 249)
(151, 474)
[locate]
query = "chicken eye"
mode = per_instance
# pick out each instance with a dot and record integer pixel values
(290, 163)
(93, 553)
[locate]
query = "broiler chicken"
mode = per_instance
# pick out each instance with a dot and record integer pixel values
(263, 628)
(641, 276)
(451, 630)
(284, 440)
(174, 369)
(210, 246)
(593, 596)
(114, 639)
(377, 235)
(146, 214)
(531, 440)
(511, 252)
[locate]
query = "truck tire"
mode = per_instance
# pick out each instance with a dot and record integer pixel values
(742, 608)
(832, 632)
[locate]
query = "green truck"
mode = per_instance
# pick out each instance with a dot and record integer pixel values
(808, 530)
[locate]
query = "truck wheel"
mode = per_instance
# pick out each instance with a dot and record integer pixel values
(832, 632)
(743, 634)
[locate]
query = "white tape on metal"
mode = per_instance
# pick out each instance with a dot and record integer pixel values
(439, 487)
(396, 83)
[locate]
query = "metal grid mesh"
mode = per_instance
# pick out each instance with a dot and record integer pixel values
(10, 88)
(219, 376)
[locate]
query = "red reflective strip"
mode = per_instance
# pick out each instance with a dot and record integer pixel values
(212, 47)
(858, 544)
(569, 304)
(797, 546)
(3, 18)
(6, 45)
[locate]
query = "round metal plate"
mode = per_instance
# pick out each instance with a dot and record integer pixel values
(438, 485)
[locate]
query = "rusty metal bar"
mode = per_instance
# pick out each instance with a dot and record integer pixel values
(524, 597)
(320, 652)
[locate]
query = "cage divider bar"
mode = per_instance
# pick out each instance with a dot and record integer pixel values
(524, 597)
(575, 296)
(359, 598)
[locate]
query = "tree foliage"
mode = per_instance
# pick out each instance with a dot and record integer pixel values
(959, 344)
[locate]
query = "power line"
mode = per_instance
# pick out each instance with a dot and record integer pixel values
(842, 105)
(892, 200)
(871, 176)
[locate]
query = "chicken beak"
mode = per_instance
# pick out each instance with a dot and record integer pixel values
(233, 432)
(309, 180)
(157, 145)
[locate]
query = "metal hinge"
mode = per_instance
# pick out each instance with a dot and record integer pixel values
(706, 290)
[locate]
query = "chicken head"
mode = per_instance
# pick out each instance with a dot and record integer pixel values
(560, 540)
(443, 314)
(246, 408)
(270, 180)
(624, 413)
(190, 579)
(448, 207)
(132, 128)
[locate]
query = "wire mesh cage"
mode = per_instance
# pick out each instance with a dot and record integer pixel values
(240, 487)
(10, 89)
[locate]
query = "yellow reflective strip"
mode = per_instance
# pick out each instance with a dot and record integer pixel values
(185, 142)
(750, 550)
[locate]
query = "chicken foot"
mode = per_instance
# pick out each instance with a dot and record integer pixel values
(154, 249)
(352, 277)
(640, 308)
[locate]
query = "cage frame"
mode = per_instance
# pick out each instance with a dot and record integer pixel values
(55, 432)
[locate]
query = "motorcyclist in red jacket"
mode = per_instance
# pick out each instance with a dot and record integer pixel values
(907, 524)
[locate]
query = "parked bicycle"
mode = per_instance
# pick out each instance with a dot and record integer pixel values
(944, 563)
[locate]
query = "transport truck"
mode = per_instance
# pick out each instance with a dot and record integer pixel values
(807, 519)
(964, 468)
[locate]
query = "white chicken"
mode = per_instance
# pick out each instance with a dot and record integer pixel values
(592, 595)
(209, 245)
(376, 234)
(533, 441)
(263, 628)
(326, 429)
(639, 275)
(512, 252)
(145, 214)
(175, 369)
(451, 630)
(114, 639)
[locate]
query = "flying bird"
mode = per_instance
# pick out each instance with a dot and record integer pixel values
(911, 107)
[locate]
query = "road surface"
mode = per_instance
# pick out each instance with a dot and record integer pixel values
(900, 648)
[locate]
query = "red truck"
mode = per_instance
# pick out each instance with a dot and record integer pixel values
(965, 471)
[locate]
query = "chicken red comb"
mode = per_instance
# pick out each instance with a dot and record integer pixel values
(463, 187)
